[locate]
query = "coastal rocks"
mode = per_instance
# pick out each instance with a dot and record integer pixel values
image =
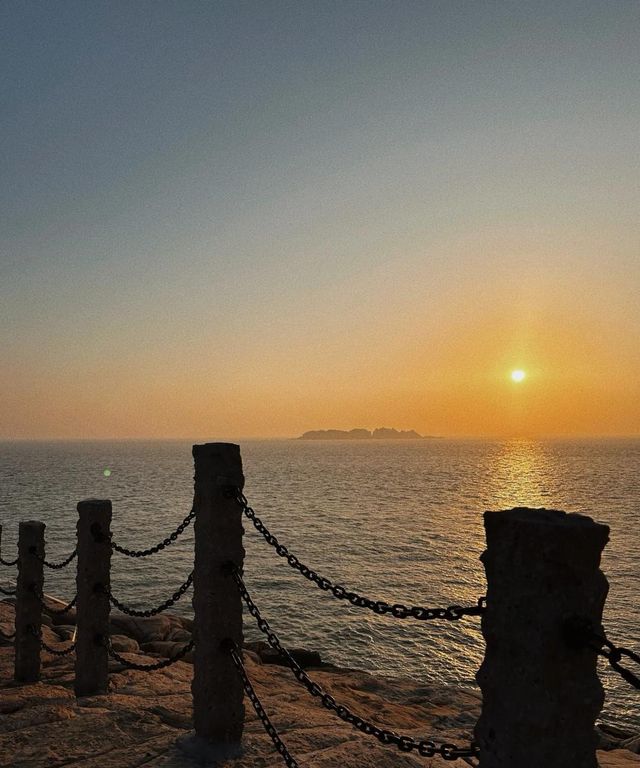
(124, 644)
(268, 655)
(609, 737)
(166, 648)
(51, 605)
(147, 630)
(65, 631)
(144, 715)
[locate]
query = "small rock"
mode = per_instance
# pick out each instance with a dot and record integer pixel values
(304, 657)
(144, 630)
(632, 744)
(124, 644)
(179, 635)
(166, 648)
(65, 631)
(172, 718)
(52, 604)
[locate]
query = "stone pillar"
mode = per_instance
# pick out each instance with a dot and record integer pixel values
(93, 606)
(540, 694)
(28, 605)
(218, 709)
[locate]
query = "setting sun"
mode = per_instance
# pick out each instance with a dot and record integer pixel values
(518, 375)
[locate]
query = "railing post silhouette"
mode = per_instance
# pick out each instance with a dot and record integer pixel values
(540, 692)
(28, 606)
(218, 709)
(92, 583)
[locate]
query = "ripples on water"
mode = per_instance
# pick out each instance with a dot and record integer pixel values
(400, 521)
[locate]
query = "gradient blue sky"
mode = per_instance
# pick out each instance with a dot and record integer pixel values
(254, 218)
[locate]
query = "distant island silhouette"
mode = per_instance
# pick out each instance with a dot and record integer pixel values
(382, 433)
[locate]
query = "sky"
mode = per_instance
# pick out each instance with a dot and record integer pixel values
(252, 219)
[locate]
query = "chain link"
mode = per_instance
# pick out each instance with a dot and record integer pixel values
(289, 760)
(397, 610)
(152, 611)
(55, 566)
(9, 638)
(53, 611)
(158, 547)
(8, 563)
(614, 655)
(54, 651)
(148, 667)
(425, 748)
(8, 592)
(580, 633)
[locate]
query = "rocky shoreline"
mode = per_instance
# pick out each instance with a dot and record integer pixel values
(145, 719)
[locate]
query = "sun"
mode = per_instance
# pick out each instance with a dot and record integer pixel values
(518, 375)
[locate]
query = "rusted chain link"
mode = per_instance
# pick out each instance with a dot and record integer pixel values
(581, 633)
(289, 760)
(160, 545)
(54, 651)
(152, 611)
(9, 638)
(424, 747)
(8, 592)
(53, 611)
(614, 655)
(397, 610)
(148, 667)
(55, 566)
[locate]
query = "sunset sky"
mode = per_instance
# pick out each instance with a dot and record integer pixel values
(236, 219)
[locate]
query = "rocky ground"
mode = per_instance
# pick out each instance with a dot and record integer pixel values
(144, 717)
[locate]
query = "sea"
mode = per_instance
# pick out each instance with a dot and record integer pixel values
(399, 520)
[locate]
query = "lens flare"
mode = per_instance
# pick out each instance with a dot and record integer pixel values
(107, 473)
(518, 375)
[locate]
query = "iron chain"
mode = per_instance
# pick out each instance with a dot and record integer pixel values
(55, 566)
(289, 760)
(54, 651)
(397, 610)
(8, 563)
(152, 611)
(148, 667)
(53, 611)
(161, 545)
(425, 748)
(9, 592)
(614, 655)
(9, 637)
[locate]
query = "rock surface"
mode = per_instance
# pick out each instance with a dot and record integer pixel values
(142, 718)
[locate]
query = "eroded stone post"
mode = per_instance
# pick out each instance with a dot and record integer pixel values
(218, 710)
(28, 606)
(93, 580)
(540, 694)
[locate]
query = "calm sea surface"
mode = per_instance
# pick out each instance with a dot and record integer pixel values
(400, 521)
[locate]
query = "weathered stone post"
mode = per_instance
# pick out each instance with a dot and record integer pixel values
(28, 605)
(540, 693)
(93, 581)
(218, 709)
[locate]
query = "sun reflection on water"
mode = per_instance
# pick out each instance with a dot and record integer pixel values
(523, 474)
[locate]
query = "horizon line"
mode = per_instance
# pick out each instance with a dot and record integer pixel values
(227, 438)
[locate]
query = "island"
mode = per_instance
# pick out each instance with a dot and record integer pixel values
(382, 433)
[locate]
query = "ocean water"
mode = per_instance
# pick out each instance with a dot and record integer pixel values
(398, 520)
